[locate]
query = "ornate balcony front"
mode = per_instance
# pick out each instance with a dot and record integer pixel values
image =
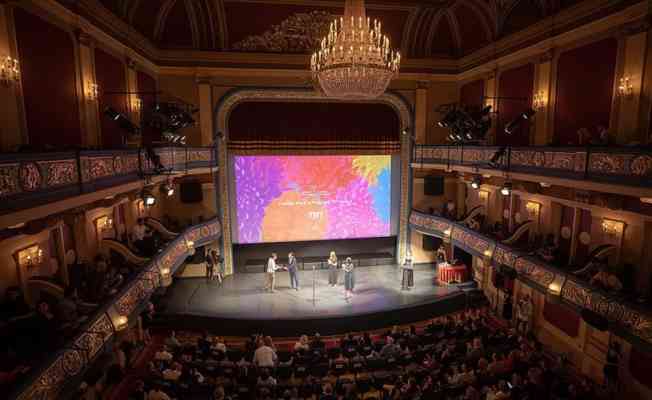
(625, 316)
(67, 364)
(28, 180)
(619, 165)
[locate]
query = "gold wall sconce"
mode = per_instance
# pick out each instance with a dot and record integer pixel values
(92, 91)
(533, 208)
(539, 101)
(104, 223)
(612, 227)
(625, 87)
(9, 71)
(31, 256)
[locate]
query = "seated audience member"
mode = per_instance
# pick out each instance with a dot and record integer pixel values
(584, 136)
(163, 355)
(389, 349)
(327, 392)
(219, 345)
(302, 345)
(157, 393)
(172, 341)
(265, 356)
(67, 307)
(45, 326)
(139, 392)
(174, 372)
(317, 343)
(147, 316)
(138, 235)
(549, 249)
(602, 138)
(265, 378)
(606, 280)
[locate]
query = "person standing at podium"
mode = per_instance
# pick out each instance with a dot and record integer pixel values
(270, 272)
(294, 273)
(332, 269)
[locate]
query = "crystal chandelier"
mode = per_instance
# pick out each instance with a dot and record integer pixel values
(354, 60)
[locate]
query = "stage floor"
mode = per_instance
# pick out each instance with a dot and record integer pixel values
(241, 297)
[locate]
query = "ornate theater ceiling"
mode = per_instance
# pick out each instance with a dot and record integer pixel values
(426, 29)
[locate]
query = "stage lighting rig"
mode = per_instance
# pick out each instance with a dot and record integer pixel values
(516, 122)
(122, 121)
(497, 157)
(466, 125)
(148, 198)
(506, 190)
(167, 189)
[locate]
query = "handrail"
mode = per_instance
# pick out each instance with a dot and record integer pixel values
(635, 321)
(630, 166)
(80, 352)
(32, 179)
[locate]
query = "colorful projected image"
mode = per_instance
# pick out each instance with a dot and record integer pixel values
(297, 198)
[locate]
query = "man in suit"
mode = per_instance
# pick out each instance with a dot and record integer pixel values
(293, 270)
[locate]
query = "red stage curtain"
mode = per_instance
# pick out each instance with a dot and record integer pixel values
(471, 94)
(585, 79)
(111, 77)
(48, 79)
(563, 318)
(327, 127)
(515, 83)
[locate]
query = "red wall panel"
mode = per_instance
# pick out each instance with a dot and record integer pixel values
(563, 318)
(585, 79)
(110, 76)
(471, 94)
(147, 84)
(515, 83)
(639, 366)
(47, 62)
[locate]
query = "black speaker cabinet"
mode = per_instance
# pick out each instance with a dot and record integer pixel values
(430, 243)
(595, 320)
(433, 185)
(191, 192)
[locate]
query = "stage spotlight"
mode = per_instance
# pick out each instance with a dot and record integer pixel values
(148, 198)
(476, 182)
(123, 122)
(506, 190)
(167, 189)
(450, 118)
(529, 113)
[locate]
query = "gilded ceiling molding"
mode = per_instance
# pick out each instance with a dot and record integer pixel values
(232, 99)
(162, 17)
(407, 31)
(222, 27)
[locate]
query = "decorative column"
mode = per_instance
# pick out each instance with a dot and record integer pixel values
(629, 83)
(543, 91)
(490, 92)
(89, 99)
(421, 111)
(205, 90)
(12, 126)
(405, 203)
(61, 255)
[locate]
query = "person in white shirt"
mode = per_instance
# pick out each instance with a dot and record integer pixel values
(270, 270)
(173, 373)
(265, 356)
(139, 231)
(163, 355)
(302, 344)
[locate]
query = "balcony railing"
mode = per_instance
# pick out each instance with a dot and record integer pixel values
(626, 316)
(28, 180)
(70, 362)
(621, 165)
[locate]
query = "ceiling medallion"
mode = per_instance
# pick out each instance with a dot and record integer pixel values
(354, 60)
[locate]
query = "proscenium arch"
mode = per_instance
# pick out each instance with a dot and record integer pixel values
(231, 99)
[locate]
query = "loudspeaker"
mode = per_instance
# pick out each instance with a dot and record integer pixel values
(191, 192)
(509, 272)
(430, 243)
(595, 320)
(199, 256)
(433, 185)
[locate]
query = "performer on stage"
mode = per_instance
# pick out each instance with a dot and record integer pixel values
(332, 269)
(292, 269)
(407, 283)
(441, 255)
(270, 271)
(349, 279)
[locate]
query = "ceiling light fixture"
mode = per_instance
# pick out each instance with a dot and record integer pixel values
(476, 182)
(506, 190)
(354, 60)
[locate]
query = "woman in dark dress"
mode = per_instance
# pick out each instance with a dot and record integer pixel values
(407, 282)
(210, 266)
(332, 269)
(349, 280)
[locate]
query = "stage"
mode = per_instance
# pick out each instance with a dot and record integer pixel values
(240, 306)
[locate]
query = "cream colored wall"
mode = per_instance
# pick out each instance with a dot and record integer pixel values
(185, 88)
(186, 212)
(439, 93)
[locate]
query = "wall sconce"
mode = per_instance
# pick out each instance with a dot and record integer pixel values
(104, 223)
(612, 227)
(483, 195)
(191, 246)
(539, 101)
(92, 91)
(120, 323)
(136, 104)
(30, 256)
(533, 207)
(625, 88)
(10, 71)
(166, 277)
